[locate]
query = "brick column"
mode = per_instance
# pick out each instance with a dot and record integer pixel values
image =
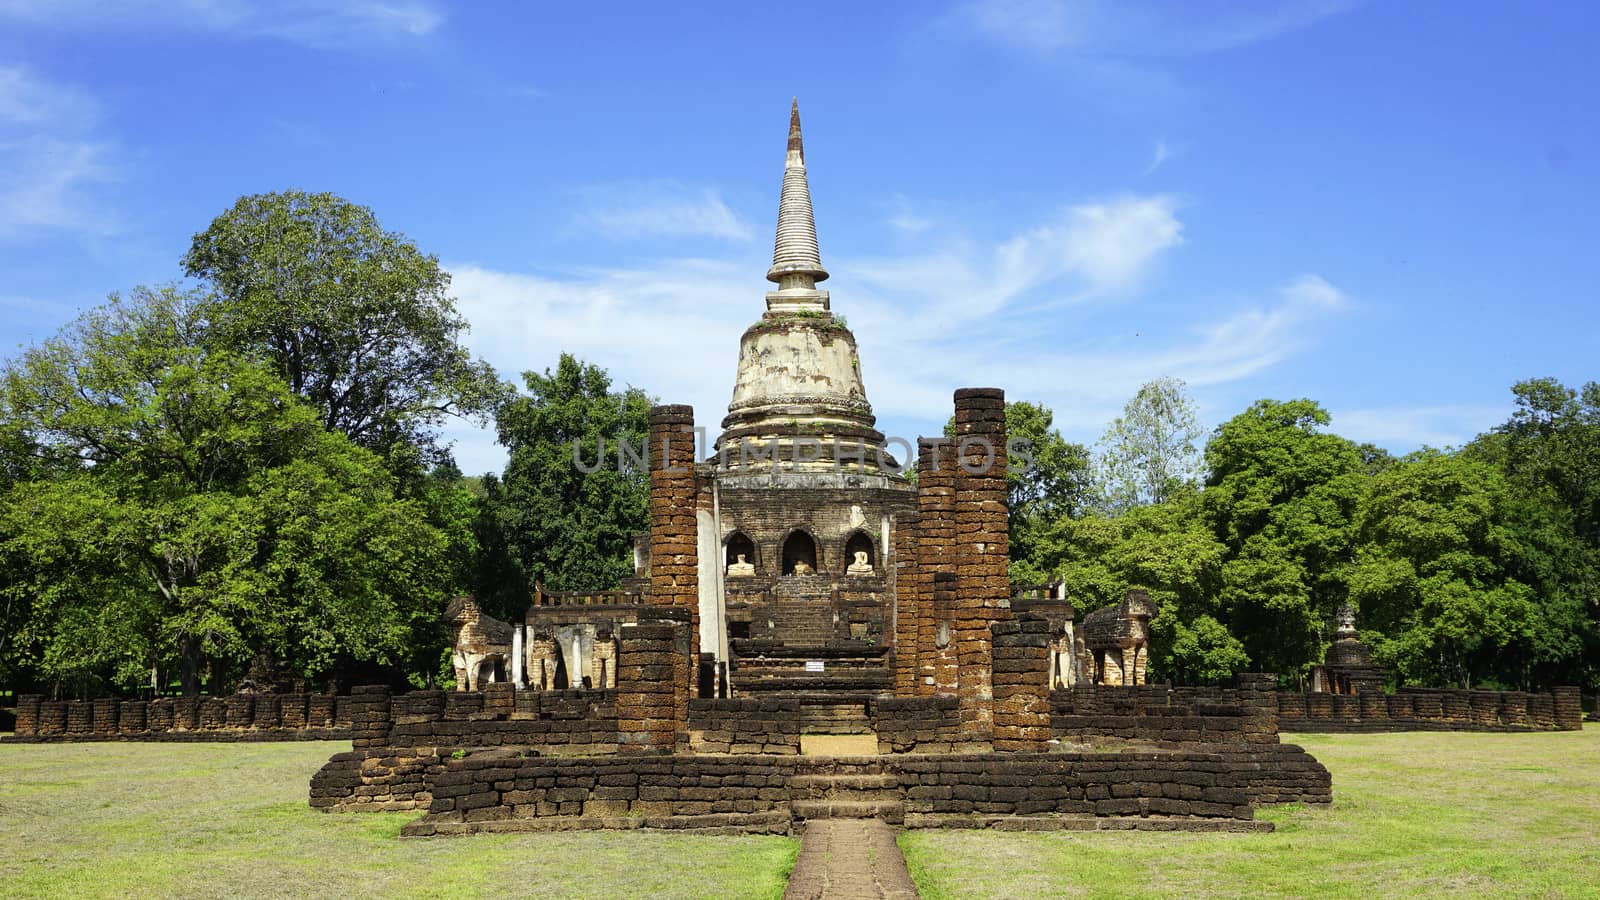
(936, 531)
(674, 555)
(1022, 685)
(28, 715)
(907, 605)
(369, 706)
(1568, 708)
(982, 549)
(648, 665)
(1258, 696)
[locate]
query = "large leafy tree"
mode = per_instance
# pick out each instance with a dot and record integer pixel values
(209, 516)
(1281, 496)
(1171, 552)
(1432, 580)
(1549, 451)
(1150, 452)
(552, 522)
(355, 319)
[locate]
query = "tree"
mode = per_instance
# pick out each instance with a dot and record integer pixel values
(355, 319)
(1549, 453)
(1431, 578)
(559, 525)
(1149, 453)
(1170, 551)
(1281, 497)
(212, 517)
(1046, 480)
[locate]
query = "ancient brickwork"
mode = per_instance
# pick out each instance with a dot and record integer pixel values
(377, 780)
(1021, 683)
(570, 722)
(674, 581)
(502, 791)
(369, 716)
(240, 717)
(916, 724)
(931, 595)
(904, 581)
(652, 683)
(744, 726)
(981, 549)
(1426, 709)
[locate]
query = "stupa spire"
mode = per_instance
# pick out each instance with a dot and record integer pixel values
(796, 261)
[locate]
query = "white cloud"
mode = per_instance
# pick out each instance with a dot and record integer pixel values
(1091, 249)
(27, 101)
(1159, 154)
(50, 161)
(1108, 29)
(972, 314)
(307, 22)
(1401, 429)
(660, 209)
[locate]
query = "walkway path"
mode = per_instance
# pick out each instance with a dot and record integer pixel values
(849, 859)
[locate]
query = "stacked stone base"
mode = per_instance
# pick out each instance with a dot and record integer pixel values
(500, 790)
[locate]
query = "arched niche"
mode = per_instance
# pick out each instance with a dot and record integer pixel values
(860, 542)
(739, 544)
(800, 547)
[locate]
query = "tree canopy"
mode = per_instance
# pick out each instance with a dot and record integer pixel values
(205, 515)
(553, 522)
(355, 319)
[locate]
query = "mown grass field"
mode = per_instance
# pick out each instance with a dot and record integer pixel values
(215, 820)
(1460, 815)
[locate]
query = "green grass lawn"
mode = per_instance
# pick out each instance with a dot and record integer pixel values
(1499, 815)
(212, 820)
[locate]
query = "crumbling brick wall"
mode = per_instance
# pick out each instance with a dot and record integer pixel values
(744, 726)
(652, 681)
(1021, 685)
(240, 717)
(1431, 709)
(916, 724)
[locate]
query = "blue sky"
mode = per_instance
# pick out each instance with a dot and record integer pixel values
(1387, 207)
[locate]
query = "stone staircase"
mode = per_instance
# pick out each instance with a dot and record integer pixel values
(852, 672)
(835, 718)
(846, 788)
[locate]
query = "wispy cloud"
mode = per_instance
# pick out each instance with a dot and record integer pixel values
(973, 313)
(1103, 28)
(307, 22)
(1160, 153)
(1404, 428)
(659, 209)
(51, 162)
(1090, 249)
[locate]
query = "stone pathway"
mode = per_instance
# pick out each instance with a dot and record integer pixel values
(849, 859)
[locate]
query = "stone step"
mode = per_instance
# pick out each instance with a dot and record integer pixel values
(1086, 823)
(891, 811)
(766, 822)
(835, 718)
(850, 788)
(839, 766)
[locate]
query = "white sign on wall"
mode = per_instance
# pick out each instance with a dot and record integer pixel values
(814, 665)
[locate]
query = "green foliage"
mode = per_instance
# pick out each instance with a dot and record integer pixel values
(1282, 496)
(1149, 453)
(548, 520)
(355, 319)
(212, 517)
